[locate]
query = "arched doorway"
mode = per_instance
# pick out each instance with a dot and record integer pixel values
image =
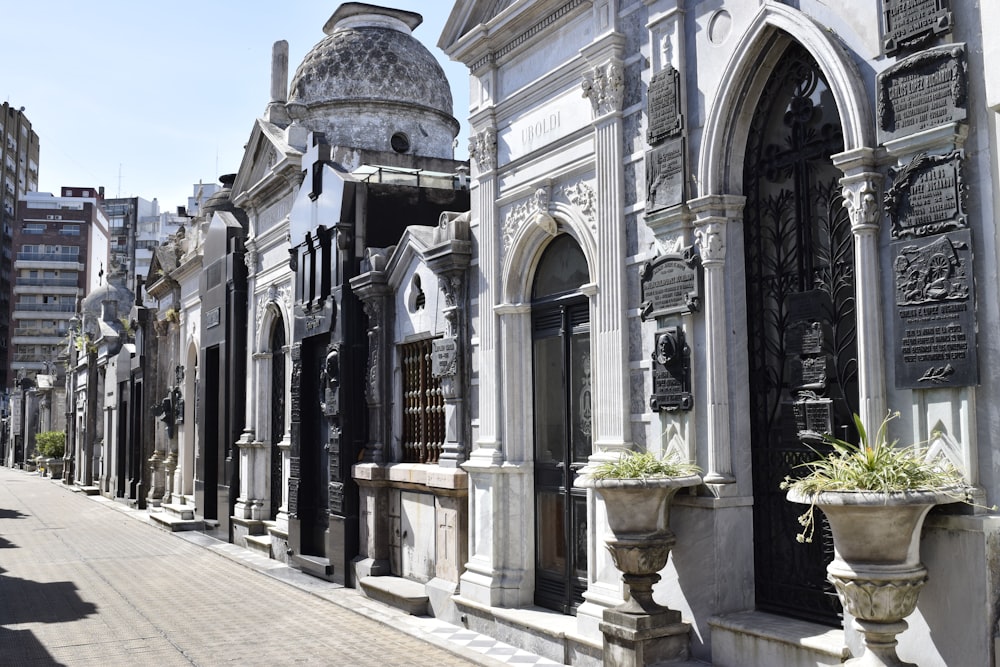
(560, 324)
(277, 427)
(801, 326)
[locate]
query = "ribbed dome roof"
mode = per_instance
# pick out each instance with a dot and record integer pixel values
(370, 55)
(92, 304)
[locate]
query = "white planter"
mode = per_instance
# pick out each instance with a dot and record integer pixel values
(639, 518)
(876, 567)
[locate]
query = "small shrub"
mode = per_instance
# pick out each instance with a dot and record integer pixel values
(640, 465)
(51, 443)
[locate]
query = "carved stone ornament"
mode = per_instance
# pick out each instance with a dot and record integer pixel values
(583, 197)
(250, 256)
(711, 241)
(923, 91)
(604, 86)
(534, 210)
(483, 149)
(862, 204)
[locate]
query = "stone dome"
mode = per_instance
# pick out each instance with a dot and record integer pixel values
(370, 72)
(92, 306)
(221, 200)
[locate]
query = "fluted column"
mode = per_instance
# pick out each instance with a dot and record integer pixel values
(483, 151)
(604, 87)
(714, 217)
(861, 185)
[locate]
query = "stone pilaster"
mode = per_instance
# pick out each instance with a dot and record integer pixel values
(604, 86)
(714, 216)
(861, 188)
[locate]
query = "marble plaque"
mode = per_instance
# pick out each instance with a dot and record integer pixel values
(935, 314)
(666, 171)
(813, 415)
(910, 24)
(213, 318)
(927, 196)
(664, 106)
(923, 91)
(671, 284)
(444, 357)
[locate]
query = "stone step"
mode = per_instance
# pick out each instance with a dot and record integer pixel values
(759, 639)
(409, 596)
(260, 544)
(185, 512)
(174, 523)
(317, 566)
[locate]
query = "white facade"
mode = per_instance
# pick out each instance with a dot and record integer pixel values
(560, 122)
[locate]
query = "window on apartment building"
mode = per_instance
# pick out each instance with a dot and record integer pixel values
(33, 228)
(423, 405)
(70, 230)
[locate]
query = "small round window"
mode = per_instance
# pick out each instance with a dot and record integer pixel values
(400, 142)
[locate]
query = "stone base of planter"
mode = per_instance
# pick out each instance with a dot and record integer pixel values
(632, 640)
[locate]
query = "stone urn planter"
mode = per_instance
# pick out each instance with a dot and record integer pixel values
(875, 495)
(639, 518)
(876, 567)
(55, 467)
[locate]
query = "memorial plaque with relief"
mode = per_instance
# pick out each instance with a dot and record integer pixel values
(666, 171)
(663, 106)
(923, 91)
(671, 284)
(935, 314)
(444, 357)
(910, 24)
(927, 196)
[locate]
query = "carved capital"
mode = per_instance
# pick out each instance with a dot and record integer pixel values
(862, 203)
(604, 86)
(711, 240)
(250, 256)
(483, 149)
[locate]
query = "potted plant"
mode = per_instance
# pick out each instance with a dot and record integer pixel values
(637, 489)
(52, 446)
(875, 496)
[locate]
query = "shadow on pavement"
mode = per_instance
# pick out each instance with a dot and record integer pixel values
(26, 601)
(20, 647)
(11, 514)
(6, 544)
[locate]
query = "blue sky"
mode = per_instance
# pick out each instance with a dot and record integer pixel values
(148, 98)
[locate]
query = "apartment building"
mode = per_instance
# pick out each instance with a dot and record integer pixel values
(60, 253)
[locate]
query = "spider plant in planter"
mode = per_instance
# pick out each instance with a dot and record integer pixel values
(637, 489)
(875, 495)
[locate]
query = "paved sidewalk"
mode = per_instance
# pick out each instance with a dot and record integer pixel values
(87, 581)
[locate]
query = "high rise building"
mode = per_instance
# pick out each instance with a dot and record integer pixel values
(61, 252)
(130, 250)
(19, 175)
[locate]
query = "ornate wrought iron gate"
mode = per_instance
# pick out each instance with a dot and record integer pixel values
(277, 412)
(800, 321)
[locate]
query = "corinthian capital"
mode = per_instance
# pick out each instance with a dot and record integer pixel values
(711, 240)
(483, 149)
(604, 86)
(862, 202)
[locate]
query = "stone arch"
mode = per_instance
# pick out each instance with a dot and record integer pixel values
(720, 163)
(273, 310)
(521, 259)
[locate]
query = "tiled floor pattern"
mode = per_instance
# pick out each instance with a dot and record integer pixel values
(436, 631)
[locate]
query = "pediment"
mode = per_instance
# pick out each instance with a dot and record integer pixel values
(465, 16)
(266, 148)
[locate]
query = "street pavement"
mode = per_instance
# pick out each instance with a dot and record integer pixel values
(88, 581)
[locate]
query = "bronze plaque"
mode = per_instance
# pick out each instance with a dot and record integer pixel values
(923, 91)
(665, 175)
(909, 24)
(671, 371)
(927, 196)
(935, 314)
(671, 284)
(663, 106)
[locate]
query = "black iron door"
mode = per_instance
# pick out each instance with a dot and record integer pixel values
(563, 443)
(277, 412)
(800, 322)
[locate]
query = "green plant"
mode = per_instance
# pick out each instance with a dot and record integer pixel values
(51, 443)
(641, 465)
(873, 465)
